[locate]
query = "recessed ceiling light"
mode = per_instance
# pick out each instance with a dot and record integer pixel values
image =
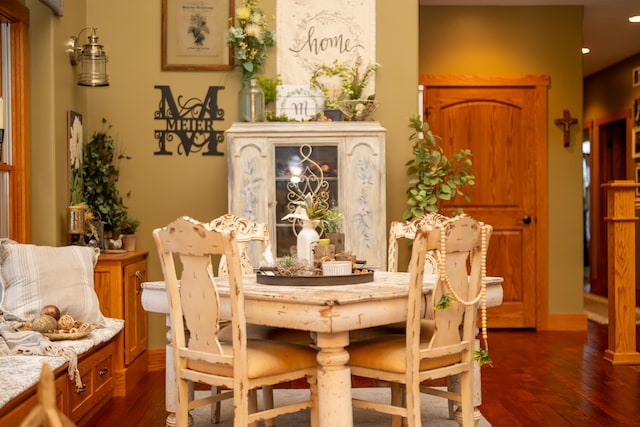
(635, 18)
(585, 50)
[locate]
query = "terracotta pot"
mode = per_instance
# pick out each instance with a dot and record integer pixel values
(129, 242)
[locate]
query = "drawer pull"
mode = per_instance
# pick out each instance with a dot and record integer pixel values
(102, 372)
(82, 389)
(139, 280)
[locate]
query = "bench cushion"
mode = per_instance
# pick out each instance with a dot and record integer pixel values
(18, 373)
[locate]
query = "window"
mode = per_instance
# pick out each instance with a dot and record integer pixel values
(15, 214)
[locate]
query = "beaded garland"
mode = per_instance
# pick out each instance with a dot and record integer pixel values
(482, 296)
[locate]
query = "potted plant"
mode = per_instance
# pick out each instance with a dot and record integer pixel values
(332, 228)
(100, 174)
(434, 176)
(269, 87)
(344, 88)
(128, 228)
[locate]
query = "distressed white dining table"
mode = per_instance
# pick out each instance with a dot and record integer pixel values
(330, 312)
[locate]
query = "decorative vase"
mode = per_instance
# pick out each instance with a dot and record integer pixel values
(250, 101)
(307, 238)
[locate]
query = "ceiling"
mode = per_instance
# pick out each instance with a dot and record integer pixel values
(606, 29)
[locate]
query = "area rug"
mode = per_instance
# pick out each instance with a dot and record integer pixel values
(597, 309)
(434, 410)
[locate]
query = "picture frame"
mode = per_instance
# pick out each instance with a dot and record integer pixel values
(636, 142)
(194, 35)
(75, 143)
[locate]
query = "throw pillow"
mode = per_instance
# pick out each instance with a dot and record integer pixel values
(34, 276)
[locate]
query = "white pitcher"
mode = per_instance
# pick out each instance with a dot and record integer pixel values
(307, 238)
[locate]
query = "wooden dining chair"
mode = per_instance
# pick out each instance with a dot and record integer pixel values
(446, 347)
(402, 230)
(186, 248)
(407, 230)
(247, 233)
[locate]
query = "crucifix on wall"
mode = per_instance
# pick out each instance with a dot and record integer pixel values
(566, 121)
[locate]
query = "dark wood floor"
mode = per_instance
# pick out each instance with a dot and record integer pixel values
(538, 379)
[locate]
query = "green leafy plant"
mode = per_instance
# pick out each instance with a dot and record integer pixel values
(445, 302)
(352, 81)
(269, 87)
(316, 205)
(100, 173)
(332, 221)
(317, 208)
(482, 357)
(129, 225)
(434, 176)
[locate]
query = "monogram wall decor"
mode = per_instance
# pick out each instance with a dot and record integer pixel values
(188, 124)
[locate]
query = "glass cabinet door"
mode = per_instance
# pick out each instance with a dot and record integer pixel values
(300, 170)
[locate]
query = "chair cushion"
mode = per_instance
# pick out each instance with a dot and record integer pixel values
(388, 354)
(34, 276)
(264, 358)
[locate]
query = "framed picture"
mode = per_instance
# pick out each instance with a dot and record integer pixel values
(636, 112)
(636, 142)
(74, 159)
(194, 35)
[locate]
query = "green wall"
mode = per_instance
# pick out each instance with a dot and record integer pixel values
(527, 40)
(453, 40)
(165, 187)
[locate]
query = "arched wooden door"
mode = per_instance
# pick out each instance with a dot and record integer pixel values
(504, 123)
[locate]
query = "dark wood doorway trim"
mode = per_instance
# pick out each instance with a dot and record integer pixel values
(596, 252)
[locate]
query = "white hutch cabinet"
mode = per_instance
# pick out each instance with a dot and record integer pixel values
(351, 155)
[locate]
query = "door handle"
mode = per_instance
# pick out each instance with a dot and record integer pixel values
(526, 219)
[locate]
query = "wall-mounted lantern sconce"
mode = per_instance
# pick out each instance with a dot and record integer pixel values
(91, 58)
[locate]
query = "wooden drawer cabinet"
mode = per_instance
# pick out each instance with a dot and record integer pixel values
(96, 372)
(117, 281)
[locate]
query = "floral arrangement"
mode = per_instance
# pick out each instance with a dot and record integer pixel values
(317, 208)
(250, 39)
(352, 81)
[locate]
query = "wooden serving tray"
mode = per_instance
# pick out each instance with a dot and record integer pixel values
(268, 279)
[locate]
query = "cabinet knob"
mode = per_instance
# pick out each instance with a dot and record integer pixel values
(102, 372)
(82, 389)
